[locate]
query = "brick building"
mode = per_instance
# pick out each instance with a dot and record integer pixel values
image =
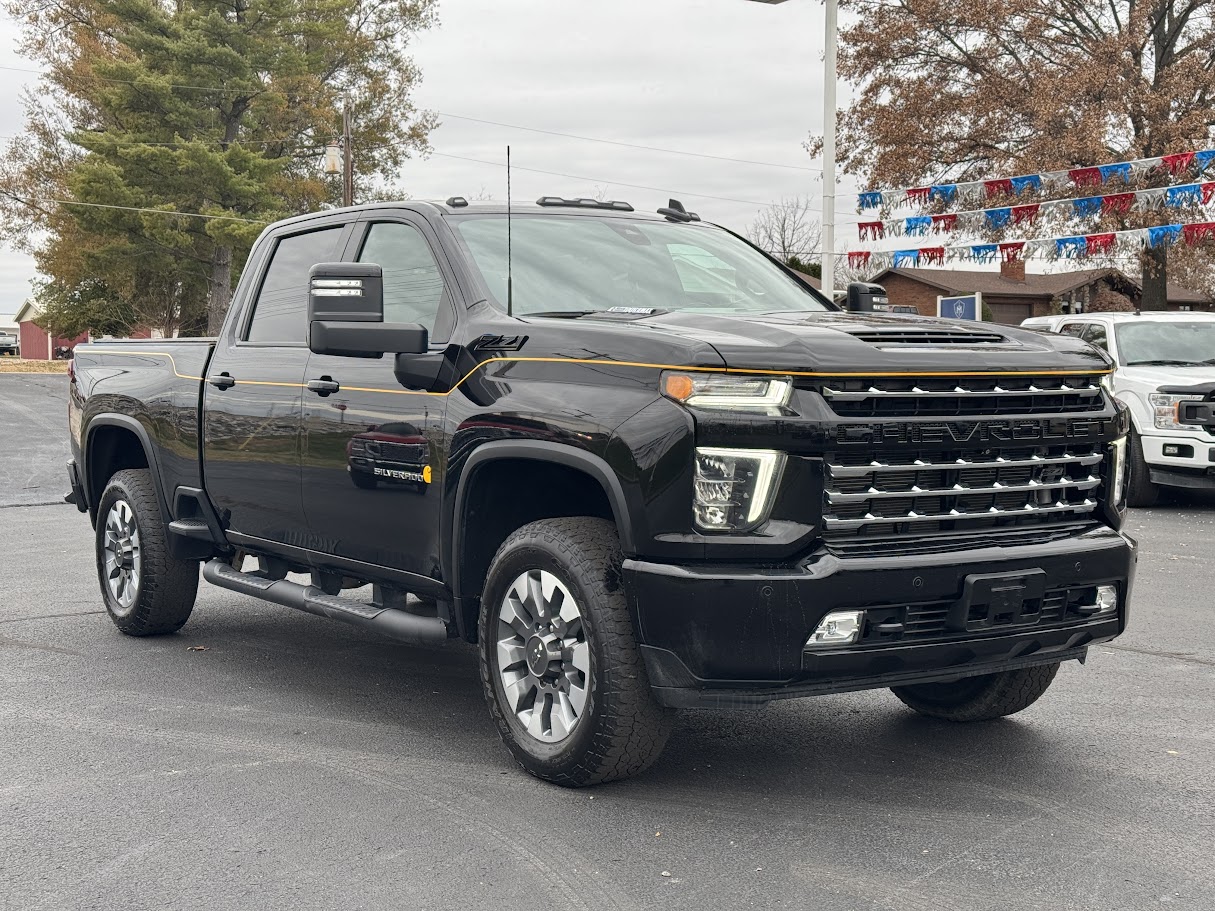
(1013, 296)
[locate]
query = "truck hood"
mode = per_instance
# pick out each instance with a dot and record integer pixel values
(834, 342)
(1149, 379)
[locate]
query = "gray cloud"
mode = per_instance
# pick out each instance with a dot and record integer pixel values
(723, 77)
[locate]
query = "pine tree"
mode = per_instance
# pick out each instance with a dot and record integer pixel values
(218, 108)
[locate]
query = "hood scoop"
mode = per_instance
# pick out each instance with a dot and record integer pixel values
(926, 338)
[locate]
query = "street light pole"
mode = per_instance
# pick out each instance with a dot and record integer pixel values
(831, 42)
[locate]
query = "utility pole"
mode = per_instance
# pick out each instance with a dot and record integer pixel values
(347, 157)
(831, 39)
(831, 42)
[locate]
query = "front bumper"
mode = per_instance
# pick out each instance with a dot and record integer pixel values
(1180, 459)
(722, 635)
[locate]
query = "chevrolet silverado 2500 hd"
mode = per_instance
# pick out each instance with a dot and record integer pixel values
(631, 456)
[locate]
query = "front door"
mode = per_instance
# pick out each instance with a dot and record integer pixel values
(370, 474)
(253, 394)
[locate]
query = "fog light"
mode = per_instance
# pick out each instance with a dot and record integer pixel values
(841, 627)
(1105, 603)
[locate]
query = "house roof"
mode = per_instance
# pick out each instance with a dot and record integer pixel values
(1179, 295)
(992, 284)
(816, 283)
(29, 310)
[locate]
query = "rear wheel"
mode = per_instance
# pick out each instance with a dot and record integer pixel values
(560, 666)
(146, 591)
(1140, 491)
(979, 698)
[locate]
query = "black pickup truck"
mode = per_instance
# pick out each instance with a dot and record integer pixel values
(635, 459)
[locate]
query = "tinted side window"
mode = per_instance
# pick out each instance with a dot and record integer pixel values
(1072, 329)
(413, 284)
(1094, 334)
(280, 315)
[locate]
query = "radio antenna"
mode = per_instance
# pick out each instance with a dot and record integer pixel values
(510, 290)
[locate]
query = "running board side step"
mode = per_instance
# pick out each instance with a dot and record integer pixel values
(396, 624)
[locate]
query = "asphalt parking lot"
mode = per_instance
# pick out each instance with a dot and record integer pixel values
(294, 763)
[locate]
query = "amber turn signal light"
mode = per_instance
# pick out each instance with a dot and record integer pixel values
(678, 386)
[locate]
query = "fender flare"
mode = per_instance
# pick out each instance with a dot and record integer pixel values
(126, 422)
(536, 451)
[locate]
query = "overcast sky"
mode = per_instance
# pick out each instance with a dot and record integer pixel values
(729, 78)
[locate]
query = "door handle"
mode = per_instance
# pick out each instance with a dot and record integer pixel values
(324, 386)
(221, 381)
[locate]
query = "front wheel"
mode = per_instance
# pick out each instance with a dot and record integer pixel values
(146, 591)
(979, 698)
(1140, 491)
(560, 665)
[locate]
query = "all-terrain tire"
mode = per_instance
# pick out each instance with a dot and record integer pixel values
(166, 588)
(623, 729)
(1140, 491)
(979, 698)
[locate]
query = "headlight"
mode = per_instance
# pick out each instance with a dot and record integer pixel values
(734, 488)
(729, 393)
(1164, 410)
(1119, 467)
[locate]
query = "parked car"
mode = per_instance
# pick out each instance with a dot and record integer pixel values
(1164, 361)
(1043, 323)
(9, 343)
(659, 472)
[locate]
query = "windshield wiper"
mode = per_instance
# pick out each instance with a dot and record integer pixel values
(562, 314)
(1166, 362)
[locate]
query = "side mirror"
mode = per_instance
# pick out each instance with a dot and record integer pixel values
(866, 298)
(346, 314)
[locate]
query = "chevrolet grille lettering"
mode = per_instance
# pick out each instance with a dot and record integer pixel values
(1004, 431)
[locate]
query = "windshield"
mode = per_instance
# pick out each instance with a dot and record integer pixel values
(1166, 343)
(578, 264)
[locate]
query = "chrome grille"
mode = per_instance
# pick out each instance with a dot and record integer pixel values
(991, 396)
(960, 492)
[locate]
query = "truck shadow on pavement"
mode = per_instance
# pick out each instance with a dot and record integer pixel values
(864, 751)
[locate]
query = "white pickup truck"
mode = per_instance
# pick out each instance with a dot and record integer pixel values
(1166, 375)
(8, 342)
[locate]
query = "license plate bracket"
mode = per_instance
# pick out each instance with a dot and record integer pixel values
(992, 600)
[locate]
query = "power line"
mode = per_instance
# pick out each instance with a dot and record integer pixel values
(628, 145)
(616, 183)
(497, 123)
(98, 205)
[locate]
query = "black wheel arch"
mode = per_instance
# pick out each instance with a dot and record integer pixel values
(96, 471)
(456, 568)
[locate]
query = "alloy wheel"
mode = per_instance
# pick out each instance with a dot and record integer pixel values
(122, 554)
(543, 657)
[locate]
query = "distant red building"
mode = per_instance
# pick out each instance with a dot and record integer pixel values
(36, 343)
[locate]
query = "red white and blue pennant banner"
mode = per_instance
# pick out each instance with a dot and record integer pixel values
(1077, 246)
(977, 191)
(1179, 197)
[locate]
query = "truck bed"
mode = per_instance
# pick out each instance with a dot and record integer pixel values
(154, 386)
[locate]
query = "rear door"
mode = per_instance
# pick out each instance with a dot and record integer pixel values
(254, 390)
(371, 471)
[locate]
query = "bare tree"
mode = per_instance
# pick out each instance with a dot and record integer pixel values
(789, 231)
